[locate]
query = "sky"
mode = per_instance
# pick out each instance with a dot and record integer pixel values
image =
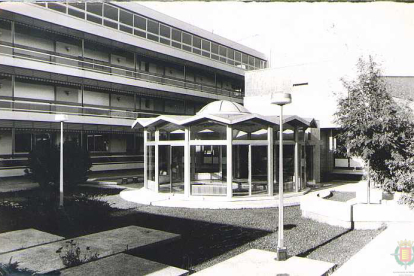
(310, 33)
(315, 43)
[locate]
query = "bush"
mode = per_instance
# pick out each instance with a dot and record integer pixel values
(71, 254)
(44, 166)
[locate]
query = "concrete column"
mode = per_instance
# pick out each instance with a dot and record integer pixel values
(187, 172)
(296, 160)
(229, 161)
(193, 163)
(157, 161)
(221, 162)
(145, 159)
(270, 159)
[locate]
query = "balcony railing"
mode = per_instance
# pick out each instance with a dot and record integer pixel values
(88, 64)
(54, 108)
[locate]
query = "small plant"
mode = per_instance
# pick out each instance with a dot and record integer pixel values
(12, 268)
(71, 254)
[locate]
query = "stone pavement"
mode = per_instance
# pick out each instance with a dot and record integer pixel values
(376, 257)
(263, 263)
(45, 258)
(15, 240)
(125, 265)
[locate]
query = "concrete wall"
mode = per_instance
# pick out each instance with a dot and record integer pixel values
(34, 91)
(95, 98)
(5, 87)
(122, 101)
(65, 94)
(5, 142)
(316, 100)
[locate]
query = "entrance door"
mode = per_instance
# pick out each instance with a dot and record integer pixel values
(177, 169)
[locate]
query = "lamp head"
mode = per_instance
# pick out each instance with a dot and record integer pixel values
(281, 98)
(61, 117)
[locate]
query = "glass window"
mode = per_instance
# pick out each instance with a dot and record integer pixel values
(126, 29)
(176, 45)
(140, 22)
(187, 39)
(214, 48)
(206, 45)
(23, 142)
(94, 19)
(237, 56)
(152, 37)
(251, 60)
(165, 31)
(98, 142)
(165, 41)
(111, 24)
(57, 7)
(76, 13)
(153, 27)
(244, 58)
(214, 57)
(197, 42)
(196, 51)
(176, 35)
(126, 17)
(80, 6)
(139, 33)
(95, 8)
(186, 48)
(257, 63)
(230, 53)
(206, 54)
(222, 51)
(110, 12)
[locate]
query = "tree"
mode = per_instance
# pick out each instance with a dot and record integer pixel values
(44, 164)
(376, 129)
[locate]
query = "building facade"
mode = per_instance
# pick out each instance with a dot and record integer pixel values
(105, 64)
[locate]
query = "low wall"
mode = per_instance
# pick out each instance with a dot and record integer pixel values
(314, 206)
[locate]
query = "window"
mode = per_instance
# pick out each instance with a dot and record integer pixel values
(206, 45)
(111, 24)
(153, 27)
(23, 142)
(76, 13)
(186, 38)
(95, 8)
(80, 6)
(110, 12)
(57, 7)
(94, 19)
(98, 142)
(251, 60)
(165, 31)
(125, 29)
(176, 35)
(230, 53)
(197, 42)
(222, 51)
(214, 48)
(244, 58)
(140, 22)
(126, 17)
(238, 56)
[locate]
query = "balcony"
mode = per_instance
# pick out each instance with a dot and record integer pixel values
(92, 65)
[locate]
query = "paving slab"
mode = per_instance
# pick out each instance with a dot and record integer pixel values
(377, 257)
(125, 265)
(44, 258)
(20, 239)
(263, 263)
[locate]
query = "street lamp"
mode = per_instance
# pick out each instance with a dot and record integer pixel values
(61, 118)
(281, 99)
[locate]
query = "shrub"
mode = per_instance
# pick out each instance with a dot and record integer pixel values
(44, 166)
(71, 254)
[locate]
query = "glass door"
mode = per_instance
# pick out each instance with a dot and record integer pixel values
(177, 169)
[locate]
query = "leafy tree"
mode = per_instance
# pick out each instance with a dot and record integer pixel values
(44, 166)
(377, 129)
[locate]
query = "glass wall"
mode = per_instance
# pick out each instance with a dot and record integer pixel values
(151, 163)
(134, 24)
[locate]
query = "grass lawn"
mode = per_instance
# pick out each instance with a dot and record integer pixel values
(208, 236)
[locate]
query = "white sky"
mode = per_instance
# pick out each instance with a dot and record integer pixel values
(315, 33)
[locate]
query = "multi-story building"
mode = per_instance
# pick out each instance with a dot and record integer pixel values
(105, 64)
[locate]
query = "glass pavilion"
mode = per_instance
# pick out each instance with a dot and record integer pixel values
(223, 150)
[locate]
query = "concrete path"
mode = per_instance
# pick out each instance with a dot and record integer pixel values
(263, 263)
(125, 265)
(376, 257)
(45, 258)
(15, 240)
(148, 197)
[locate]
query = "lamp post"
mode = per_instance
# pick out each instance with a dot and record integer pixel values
(281, 99)
(61, 118)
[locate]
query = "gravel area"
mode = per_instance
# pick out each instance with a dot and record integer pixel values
(212, 236)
